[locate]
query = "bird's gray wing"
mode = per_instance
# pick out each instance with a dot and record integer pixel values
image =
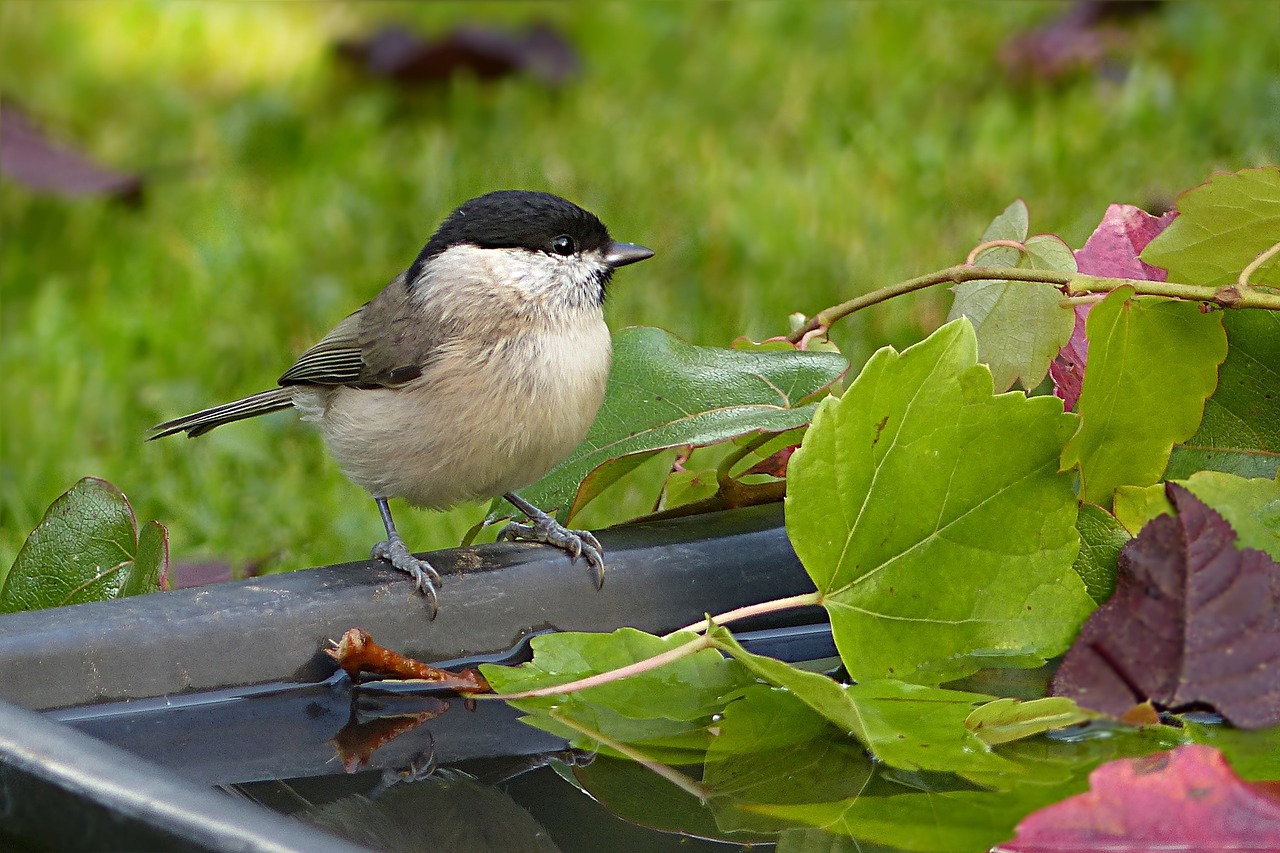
(386, 342)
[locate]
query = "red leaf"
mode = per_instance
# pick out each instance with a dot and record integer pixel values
(1111, 250)
(1067, 367)
(1187, 800)
(1193, 620)
(29, 158)
(1114, 246)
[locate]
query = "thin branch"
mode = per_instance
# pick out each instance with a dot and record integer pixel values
(743, 495)
(1245, 274)
(675, 777)
(773, 606)
(1071, 284)
(697, 644)
(724, 478)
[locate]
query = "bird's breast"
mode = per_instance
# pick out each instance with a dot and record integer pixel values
(489, 415)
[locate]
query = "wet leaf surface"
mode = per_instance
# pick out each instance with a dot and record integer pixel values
(1186, 799)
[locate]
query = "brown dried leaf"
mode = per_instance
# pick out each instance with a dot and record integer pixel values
(356, 652)
(30, 158)
(1194, 620)
(488, 53)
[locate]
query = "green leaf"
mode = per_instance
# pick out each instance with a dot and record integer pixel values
(1101, 538)
(665, 393)
(1004, 720)
(1222, 225)
(1020, 325)
(933, 519)
(683, 487)
(904, 725)
(86, 548)
(1152, 364)
(1250, 506)
(689, 688)
(665, 709)
(1240, 432)
(604, 476)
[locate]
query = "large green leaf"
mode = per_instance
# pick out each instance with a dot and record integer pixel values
(1240, 432)
(86, 548)
(1222, 225)
(664, 393)
(1020, 325)
(1152, 364)
(932, 517)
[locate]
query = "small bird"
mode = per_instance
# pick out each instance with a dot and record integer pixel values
(471, 375)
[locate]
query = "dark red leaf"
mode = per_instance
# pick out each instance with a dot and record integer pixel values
(29, 158)
(1194, 620)
(397, 54)
(1111, 250)
(1187, 800)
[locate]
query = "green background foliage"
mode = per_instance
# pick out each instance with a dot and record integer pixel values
(778, 156)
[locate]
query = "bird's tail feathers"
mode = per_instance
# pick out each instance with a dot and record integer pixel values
(201, 422)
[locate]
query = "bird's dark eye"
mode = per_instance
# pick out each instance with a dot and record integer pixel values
(563, 245)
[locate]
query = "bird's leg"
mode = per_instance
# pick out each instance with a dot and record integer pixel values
(544, 528)
(395, 552)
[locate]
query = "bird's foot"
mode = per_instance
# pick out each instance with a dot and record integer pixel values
(544, 528)
(395, 552)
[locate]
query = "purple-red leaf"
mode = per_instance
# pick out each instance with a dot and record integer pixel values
(1111, 250)
(29, 158)
(1188, 799)
(1194, 620)
(486, 52)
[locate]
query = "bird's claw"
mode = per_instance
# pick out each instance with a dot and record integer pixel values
(577, 543)
(424, 575)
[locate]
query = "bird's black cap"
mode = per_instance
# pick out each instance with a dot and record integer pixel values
(519, 219)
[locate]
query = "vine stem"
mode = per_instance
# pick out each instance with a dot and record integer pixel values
(675, 777)
(774, 606)
(991, 244)
(1265, 255)
(697, 644)
(1071, 284)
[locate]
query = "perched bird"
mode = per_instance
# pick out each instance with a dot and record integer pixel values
(471, 375)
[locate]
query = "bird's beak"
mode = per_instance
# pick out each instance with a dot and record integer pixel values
(621, 254)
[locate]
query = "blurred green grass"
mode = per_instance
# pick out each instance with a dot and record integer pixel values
(778, 156)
